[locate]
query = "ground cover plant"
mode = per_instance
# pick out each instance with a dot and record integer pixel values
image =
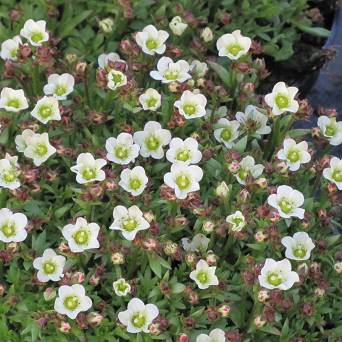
(149, 189)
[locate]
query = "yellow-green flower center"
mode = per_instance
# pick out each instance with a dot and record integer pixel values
(152, 143)
(45, 111)
(337, 175)
(41, 149)
(171, 75)
(60, 90)
(243, 173)
(234, 49)
(117, 77)
(121, 152)
(9, 176)
(237, 221)
(82, 236)
(189, 109)
(14, 53)
(15, 103)
(151, 102)
(282, 101)
(299, 251)
(71, 302)
(138, 319)
(151, 44)
(129, 224)
(183, 155)
(8, 229)
(330, 130)
(49, 267)
(285, 206)
(183, 182)
(226, 134)
(202, 277)
(274, 278)
(122, 286)
(293, 156)
(88, 173)
(36, 37)
(135, 183)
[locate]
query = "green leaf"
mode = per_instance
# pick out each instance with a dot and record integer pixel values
(315, 31)
(222, 73)
(38, 244)
(240, 146)
(71, 24)
(299, 132)
(155, 265)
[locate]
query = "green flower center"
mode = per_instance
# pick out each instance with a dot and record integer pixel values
(138, 319)
(285, 206)
(243, 173)
(152, 143)
(117, 77)
(293, 156)
(121, 152)
(171, 75)
(8, 229)
(202, 277)
(183, 155)
(15, 103)
(41, 149)
(60, 90)
(49, 267)
(151, 102)
(82, 236)
(234, 49)
(189, 109)
(330, 130)
(237, 221)
(14, 53)
(337, 175)
(299, 251)
(282, 101)
(129, 224)
(36, 37)
(71, 302)
(151, 44)
(9, 176)
(274, 278)
(122, 286)
(226, 134)
(183, 182)
(45, 111)
(135, 183)
(88, 173)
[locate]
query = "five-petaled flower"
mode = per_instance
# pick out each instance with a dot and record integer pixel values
(191, 105)
(204, 275)
(169, 71)
(233, 45)
(334, 172)
(298, 247)
(133, 181)
(151, 40)
(12, 226)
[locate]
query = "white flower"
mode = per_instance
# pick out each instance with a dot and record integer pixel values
(233, 45)
(138, 316)
(12, 226)
(122, 150)
(191, 105)
(184, 150)
(10, 48)
(247, 167)
(228, 133)
(253, 120)
(183, 179)
(121, 287)
(199, 243)
(294, 154)
(50, 266)
(60, 86)
(88, 169)
(277, 275)
(35, 32)
(151, 40)
(236, 221)
(298, 247)
(334, 172)
(133, 181)
(222, 190)
(204, 275)
(105, 58)
(81, 235)
(288, 202)
(116, 79)
(13, 100)
(152, 139)
(282, 99)
(168, 71)
(199, 68)
(9, 172)
(46, 109)
(129, 221)
(72, 300)
(177, 26)
(331, 129)
(38, 148)
(106, 25)
(21, 140)
(150, 99)
(216, 335)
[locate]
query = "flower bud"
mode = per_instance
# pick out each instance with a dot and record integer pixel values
(77, 278)
(94, 318)
(106, 25)
(170, 248)
(117, 258)
(338, 267)
(154, 329)
(207, 34)
(177, 26)
(64, 327)
(260, 236)
(49, 294)
(259, 322)
(261, 182)
(208, 226)
(222, 190)
(319, 292)
(224, 310)
(183, 338)
(149, 216)
(263, 295)
(2, 289)
(211, 259)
